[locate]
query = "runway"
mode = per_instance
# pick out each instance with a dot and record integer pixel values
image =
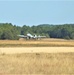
(16, 50)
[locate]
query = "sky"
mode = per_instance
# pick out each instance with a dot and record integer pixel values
(35, 12)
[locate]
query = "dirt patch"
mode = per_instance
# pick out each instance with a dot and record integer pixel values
(15, 50)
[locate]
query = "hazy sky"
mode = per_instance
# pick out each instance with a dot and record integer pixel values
(34, 12)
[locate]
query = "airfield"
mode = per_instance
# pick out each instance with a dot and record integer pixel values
(37, 57)
(48, 42)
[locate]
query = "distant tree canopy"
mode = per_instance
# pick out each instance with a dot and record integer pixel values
(9, 31)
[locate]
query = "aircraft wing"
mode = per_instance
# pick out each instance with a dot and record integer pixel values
(22, 36)
(41, 36)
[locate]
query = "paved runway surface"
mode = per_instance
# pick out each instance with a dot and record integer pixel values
(15, 50)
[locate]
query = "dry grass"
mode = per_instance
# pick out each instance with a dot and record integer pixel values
(36, 43)
(37, 63)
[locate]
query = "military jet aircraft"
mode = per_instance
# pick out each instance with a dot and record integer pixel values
(30, 36)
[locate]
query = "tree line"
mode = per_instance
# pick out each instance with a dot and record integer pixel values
(10, 31)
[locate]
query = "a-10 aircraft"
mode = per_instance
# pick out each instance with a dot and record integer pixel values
(30, 36)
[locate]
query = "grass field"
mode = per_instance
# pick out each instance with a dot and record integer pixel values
(37, 43)
(37, 63)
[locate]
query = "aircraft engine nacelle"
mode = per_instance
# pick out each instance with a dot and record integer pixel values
(35, 36)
